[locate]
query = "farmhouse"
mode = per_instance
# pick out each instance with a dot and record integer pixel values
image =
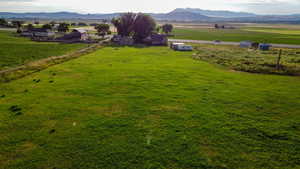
(123, 40)
(157, 39)
(38, 32)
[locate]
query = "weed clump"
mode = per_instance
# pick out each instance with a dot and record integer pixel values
(36, 80)
(52, 131)
(16, 109)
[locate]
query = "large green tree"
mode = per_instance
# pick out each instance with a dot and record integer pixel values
(47, 26)
(63, 27)
(30, 27)
(167, 28)
(17, 24)
(102, 29)
(144, 26)
(125, 24)
(139, 26)
(3, 22)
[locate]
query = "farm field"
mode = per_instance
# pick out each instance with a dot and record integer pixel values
(257, 34)
(274, 30)
(17, 51)
(249, 60)
(127, 107)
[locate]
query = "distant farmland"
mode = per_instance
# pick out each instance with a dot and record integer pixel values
(17, 51)
(261, 34)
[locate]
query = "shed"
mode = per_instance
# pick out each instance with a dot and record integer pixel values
(75, 35)
(84, 33)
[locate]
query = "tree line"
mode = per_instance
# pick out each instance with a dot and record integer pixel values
(135, 25)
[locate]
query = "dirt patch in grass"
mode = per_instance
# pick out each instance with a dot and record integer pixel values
(114, 110)
(168, 108)
(27, 147)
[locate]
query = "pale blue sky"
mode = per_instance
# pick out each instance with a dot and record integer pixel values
(155, 6)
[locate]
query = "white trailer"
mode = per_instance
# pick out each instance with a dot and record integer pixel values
(181, 47)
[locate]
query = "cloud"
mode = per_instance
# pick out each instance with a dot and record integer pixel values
(271, 6)
(14, 1)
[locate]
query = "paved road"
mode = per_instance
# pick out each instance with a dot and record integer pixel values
(230, 43)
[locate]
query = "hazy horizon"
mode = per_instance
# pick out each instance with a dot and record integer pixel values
(264, 7)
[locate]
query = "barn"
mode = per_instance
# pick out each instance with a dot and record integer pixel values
(75, 35)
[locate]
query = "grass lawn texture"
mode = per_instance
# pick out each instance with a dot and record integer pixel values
(249, 60)
(262, 35)
(126, 107)
(16, 51)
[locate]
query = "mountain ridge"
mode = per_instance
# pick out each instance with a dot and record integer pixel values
(179, 14)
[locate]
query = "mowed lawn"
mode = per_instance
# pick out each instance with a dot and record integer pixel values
(148, 108)
(16, 51)
(261, 35)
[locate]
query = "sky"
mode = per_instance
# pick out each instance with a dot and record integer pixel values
(150, 6)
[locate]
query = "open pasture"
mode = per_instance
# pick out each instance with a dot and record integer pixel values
(151, 107)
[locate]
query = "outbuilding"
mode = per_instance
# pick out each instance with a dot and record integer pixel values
(157, 39)
(83, 33)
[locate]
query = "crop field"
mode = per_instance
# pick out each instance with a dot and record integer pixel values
(256, 34)
(151, 107)
(274, 30)
(17, 51)
(249, 60)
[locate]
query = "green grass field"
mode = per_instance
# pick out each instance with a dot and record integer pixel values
(262, 35)
(17, 51)
(148, 108)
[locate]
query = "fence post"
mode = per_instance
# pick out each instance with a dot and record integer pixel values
(278, 60)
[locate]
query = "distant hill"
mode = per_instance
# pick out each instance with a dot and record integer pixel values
(57, 15)
(215, 13)
(180, 14)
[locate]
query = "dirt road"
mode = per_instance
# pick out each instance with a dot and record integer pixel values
(230, 43)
